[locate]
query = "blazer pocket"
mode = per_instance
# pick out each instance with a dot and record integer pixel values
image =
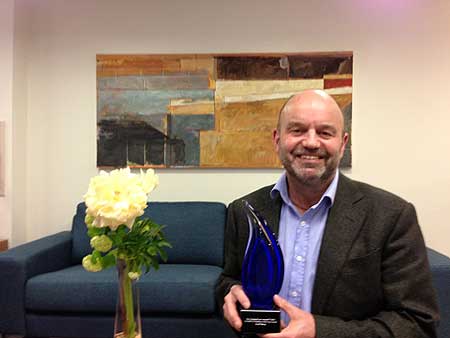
(370, 263)
(358, 292)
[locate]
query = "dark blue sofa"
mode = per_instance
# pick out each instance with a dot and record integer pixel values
(44, 291)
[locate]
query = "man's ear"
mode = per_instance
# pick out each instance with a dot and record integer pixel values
(344, 143)
(276, 139)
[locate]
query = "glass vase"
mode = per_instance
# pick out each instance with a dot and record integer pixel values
(127, 323)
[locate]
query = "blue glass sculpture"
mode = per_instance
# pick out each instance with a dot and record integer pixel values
(263, 267)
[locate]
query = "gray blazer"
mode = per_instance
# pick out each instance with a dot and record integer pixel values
(373, 277)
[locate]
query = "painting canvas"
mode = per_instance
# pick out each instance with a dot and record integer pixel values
(207, 110)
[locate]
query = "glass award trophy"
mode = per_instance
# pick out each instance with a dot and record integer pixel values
(262, 276)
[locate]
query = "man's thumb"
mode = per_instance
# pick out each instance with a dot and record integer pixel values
(284, 305)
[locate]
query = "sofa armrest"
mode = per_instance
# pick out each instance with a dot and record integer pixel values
(440, 270)
(19, 264)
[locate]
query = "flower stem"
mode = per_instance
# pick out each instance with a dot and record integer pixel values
(127, 302)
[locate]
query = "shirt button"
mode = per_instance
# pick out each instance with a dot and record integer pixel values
(299, 258)
(302, 223)
(294, 294)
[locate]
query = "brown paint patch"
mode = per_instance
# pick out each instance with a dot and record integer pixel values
(237, 150)
(342, 100)
(248, 116)
(251, 68)
(113, 65)
(313, 67)
(192, 108)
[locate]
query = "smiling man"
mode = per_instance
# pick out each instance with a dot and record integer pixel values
(355, 259)
(310, 142)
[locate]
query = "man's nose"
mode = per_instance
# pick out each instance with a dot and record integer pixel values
(311, 140)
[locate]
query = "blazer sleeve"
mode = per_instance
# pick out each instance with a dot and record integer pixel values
(409, 301)
(232, 248)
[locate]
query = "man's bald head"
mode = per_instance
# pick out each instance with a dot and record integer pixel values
(312, 99)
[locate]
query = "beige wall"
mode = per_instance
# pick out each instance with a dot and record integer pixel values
(6, 99)
(400, 112)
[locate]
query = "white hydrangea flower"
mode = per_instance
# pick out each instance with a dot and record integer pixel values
(134, 275)
(118, 197)
(89, 266)
(101, 243)
(149, 180)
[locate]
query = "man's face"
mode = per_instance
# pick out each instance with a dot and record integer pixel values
(310, 140)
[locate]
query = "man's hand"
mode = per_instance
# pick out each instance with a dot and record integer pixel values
(302, 324)
(230, 311)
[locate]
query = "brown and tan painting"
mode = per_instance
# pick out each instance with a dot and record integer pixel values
(206, 111)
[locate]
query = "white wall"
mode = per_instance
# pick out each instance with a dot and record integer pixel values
(22, 38)
(400, 111)
(6, 99)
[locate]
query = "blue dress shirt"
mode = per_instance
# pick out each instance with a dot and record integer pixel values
(300, 238)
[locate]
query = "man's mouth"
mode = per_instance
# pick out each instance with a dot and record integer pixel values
(310, 157)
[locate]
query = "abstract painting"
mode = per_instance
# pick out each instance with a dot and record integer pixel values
(207, 110)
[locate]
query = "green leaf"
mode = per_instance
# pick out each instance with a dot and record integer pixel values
(122, 230)
(162, 254)
(93, 231)
(108, 260)
(113, 252)
(164, 243)
(96, 255)
(155, 264)
(142, 246)
(152, 251)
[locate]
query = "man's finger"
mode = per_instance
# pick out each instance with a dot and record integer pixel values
(271, 335)
(232, 316)
(240, 296)
(283, 304)
(230, 311)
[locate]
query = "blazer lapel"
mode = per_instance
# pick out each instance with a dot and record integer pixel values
(272, 214)
(270, 209)
(344, 221)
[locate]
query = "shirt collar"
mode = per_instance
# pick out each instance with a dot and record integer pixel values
(281, 188)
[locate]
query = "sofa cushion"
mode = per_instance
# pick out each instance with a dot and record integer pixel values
(174, 288)
(195, 230)
(440, 268)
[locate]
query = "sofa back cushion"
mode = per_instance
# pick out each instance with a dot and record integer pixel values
(195, 230)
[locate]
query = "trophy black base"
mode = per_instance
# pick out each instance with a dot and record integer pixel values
(260, 321)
